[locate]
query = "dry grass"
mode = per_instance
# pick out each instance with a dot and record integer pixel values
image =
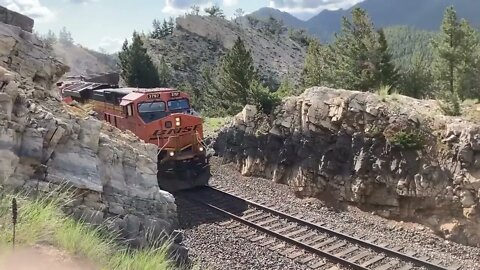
(42, 221)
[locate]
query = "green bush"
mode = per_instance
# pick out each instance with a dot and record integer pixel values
(263, 98)
(407, 140)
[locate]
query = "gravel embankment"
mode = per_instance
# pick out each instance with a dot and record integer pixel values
(213, 246)
(353, 221)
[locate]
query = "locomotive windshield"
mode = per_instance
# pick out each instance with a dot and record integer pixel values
(151, 111)
(178, 104)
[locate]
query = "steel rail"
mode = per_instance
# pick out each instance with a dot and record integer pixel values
(282, 237)
(355, 240)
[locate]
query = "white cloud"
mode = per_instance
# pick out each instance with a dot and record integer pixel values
(230, 3)
(177, 7)
(30, 8)
(110, 44)
(311, 6)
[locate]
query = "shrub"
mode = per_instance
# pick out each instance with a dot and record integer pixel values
(407, 140)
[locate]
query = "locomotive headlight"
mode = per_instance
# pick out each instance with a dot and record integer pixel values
(171, 153)
(201, 149)
(177, 121)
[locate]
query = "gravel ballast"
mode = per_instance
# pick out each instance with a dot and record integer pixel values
(216, 247)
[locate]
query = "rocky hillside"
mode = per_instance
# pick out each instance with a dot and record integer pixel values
(44, 145)
(83, 61)
(200, 41)
(394, 155)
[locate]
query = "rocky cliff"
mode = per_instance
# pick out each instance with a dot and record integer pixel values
(44, 145)
(200, 41)
(394, 155)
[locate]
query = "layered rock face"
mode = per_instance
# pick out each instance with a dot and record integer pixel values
(395, 155)
(44, 146)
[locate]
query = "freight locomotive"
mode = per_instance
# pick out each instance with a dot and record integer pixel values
(164, 117)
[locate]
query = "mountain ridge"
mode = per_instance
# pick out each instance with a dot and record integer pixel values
(424, 15)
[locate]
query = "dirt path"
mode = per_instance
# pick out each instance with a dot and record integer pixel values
(41, 258)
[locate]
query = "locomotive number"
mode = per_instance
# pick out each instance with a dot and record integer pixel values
(153, 96)
(174, 131)
(175, 94)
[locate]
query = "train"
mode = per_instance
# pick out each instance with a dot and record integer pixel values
(160, 116)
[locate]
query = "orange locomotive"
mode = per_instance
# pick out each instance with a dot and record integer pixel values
(163, 117)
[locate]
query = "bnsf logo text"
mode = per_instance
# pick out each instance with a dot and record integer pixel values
(174, 131)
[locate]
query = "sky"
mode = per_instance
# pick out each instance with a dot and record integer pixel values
(106, 24)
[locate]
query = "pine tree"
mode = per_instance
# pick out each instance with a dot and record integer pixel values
(388, 73)
(214, 11)
(456, 62)
(447, 48)
(65, 37)
(157, 32)
(171, 25)
(137, 69)
(356, 51)
(314, 71)
(236, 75)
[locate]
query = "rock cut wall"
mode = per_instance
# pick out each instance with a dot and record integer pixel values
(44, 146)
(395, 154)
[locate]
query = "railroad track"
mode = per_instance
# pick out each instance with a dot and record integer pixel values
(303, 239)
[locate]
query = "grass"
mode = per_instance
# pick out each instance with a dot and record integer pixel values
(213, 124)
(41, 220)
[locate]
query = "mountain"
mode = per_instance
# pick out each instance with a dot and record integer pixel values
(425, 15)
(285, 17)
(200, 41)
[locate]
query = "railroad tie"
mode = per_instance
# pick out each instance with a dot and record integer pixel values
(259, 217)
(324, 243)
(288, 251)
(373, 260)
(307, 259)
(269, 242)
(387, 265)
(296, 232)
(286, 228)
(256, 239)
(345, 252)
(315, 240)
(359, 256)
(305, 236)
(334, 247)
(266, 221)
(273, 248)
(406, 267)
(249, 234)
(318, 264)
(295, 255)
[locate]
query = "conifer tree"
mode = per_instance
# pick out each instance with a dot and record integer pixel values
(456, 62)
(388, 73)
(137, 69)
(157, 32)
(356, 51)
(314, 72)
(236, 74)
